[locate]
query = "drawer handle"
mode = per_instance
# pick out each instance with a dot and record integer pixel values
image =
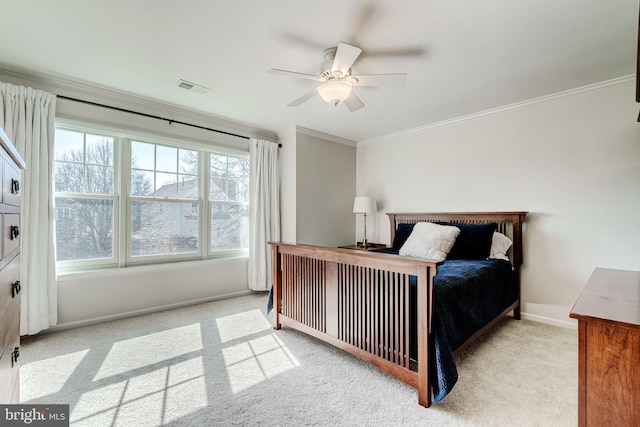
(15, 232)
(17, 289)
(15, 355)
(15, 186)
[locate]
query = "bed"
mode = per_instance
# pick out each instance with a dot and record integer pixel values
(409, 316)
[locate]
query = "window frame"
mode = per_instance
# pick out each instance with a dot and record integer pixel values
(220, 253)
(131, 259)
(93, 262)
(123, 200)
(115, 197)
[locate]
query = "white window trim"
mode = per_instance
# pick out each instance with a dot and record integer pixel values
(122, 199)
(81, 265)
(221, 253)
(97, 262)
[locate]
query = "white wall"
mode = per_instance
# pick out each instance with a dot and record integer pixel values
(91, 297)
(318, 185)
(326, 183)
(571, 161)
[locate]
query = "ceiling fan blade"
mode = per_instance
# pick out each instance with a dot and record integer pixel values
(293, 74)
(353, 103)
(386, 80)
(367, 14)
(346, 55)
(303, 98)
(304, 41)
(395, 52)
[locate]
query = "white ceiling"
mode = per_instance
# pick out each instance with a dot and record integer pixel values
(465, 56)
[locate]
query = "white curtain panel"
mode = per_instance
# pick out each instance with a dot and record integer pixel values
(264, 212)
(27, 117)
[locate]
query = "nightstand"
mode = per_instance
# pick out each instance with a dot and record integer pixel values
(359, 247)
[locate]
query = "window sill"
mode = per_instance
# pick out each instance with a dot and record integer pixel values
(89, 271)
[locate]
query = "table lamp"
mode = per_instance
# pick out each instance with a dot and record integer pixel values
(364, 205)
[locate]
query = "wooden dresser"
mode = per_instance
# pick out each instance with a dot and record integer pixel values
(608, 313)
(10, 165)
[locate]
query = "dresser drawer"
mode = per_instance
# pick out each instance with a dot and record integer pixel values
(11, 233)
(11, 166)
(11, 185)
(9, 367)
(9, 299)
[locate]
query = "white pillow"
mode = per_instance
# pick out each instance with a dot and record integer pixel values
(431, 241)
(500, 244)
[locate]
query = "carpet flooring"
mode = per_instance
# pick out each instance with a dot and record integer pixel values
(222, 364)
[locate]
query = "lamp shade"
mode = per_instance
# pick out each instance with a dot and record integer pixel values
(365, 205)
(335, 91)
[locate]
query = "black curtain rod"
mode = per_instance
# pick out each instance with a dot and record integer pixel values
(151, 116)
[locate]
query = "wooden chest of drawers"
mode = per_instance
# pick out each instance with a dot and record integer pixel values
(10, 287)
(608, 313)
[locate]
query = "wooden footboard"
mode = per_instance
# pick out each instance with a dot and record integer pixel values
(358, 301)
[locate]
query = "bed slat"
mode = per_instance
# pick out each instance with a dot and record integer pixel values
(372, 314)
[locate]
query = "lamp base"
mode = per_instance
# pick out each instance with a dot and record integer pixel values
(364, 244)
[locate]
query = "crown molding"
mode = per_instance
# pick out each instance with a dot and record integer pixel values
(571, 92)
(325, 136)
(75, 88)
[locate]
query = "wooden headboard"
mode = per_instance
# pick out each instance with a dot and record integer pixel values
(509, 223)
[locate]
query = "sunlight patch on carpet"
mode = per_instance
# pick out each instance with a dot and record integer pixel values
(251, 362)
(99, 406)
(241, 325)
(186, 391)
(48, 376)
(144, 351)
(152, 398)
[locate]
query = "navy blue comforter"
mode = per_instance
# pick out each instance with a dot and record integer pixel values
(468, 294)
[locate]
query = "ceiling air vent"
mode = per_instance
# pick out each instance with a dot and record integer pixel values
(192, 86)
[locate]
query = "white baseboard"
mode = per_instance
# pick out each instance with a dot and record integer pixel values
(111, 317)
(569, 324)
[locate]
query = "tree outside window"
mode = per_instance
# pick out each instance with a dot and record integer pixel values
(229, 202)
(84, 186)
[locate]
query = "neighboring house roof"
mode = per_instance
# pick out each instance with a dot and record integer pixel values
(188, 189)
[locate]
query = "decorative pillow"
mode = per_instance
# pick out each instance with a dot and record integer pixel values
(431, 241)
(402, 233)
(474, 241)
(500, 244)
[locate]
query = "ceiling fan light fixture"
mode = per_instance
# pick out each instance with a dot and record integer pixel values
(334, 92)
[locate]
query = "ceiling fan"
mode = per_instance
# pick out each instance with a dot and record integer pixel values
(337, 81)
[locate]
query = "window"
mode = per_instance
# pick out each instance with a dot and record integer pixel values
(164, 183)
(229, 202)
(121, 201)
(85, 197)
